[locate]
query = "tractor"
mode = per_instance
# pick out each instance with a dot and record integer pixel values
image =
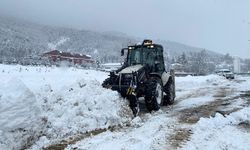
(143, 74)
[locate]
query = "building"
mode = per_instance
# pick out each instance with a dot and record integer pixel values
(73, 58)
(237, 65)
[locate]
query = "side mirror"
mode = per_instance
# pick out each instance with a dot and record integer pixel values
(122, 52)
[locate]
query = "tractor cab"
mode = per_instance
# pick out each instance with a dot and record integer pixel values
(147, 54)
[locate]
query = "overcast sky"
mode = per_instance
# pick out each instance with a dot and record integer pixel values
(218, 25)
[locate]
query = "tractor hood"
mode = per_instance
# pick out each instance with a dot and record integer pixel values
(131, 69)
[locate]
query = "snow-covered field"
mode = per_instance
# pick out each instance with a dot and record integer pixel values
(48, 107)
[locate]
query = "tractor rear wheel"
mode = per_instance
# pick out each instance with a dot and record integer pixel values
(170, 93)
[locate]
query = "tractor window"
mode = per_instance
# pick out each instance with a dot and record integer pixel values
(134, 57)
(152, 57)
(148, 57)
(159, 62)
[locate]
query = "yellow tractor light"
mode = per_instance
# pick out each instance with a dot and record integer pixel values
(147, 42)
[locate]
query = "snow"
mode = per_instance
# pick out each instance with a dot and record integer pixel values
(217, 132)
(20, 117)
(194, 91)
(194, 102)
(143, 135)
(23, 96)
(88, 55)
(83, 109)
(68, 100)
(51, 104)
(61, 41)
(197, 81)
(221, 132)
(56, 78)
(244, 83)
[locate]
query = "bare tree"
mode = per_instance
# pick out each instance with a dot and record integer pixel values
(198, 62)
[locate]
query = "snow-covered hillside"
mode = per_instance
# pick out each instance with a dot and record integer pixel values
(20, 39)
(66, 108)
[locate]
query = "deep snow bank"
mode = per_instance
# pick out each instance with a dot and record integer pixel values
(80, 107)
(68, 101)
(20, 120)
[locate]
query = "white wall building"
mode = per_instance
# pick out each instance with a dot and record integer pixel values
(237, 67)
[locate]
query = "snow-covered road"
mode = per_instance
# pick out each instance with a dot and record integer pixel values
(204, 107)
(67, 108)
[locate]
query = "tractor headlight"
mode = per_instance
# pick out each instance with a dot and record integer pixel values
(131, 47)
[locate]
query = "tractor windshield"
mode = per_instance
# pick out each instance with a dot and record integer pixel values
(152, 57)
(134, 57)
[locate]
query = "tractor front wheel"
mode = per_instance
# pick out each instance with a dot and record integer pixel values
(154, 94)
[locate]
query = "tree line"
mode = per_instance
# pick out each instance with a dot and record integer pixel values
(202, 63)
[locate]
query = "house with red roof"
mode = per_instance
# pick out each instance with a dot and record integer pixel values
(75, 58)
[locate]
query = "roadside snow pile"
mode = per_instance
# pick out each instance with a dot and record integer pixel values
(20, 120)
(66, 101)
(222, 132)
(81, 107)
(35, 77)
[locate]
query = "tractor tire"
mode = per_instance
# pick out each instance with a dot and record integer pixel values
(154, 94)
(170, 93)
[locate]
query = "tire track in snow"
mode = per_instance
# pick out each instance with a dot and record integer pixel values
(146, 132)
(75, 138)
(223, 103)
